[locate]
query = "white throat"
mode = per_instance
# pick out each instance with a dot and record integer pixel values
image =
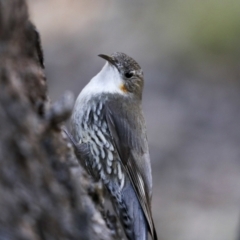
(108, 80)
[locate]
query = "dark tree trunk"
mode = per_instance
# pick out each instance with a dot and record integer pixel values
(44, 193)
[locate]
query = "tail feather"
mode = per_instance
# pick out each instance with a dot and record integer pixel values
(130, 214)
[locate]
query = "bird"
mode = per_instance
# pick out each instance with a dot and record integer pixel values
(108, 128)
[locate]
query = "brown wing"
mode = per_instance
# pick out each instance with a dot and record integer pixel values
(128, 135)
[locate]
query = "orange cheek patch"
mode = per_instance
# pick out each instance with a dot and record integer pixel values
(123, 88)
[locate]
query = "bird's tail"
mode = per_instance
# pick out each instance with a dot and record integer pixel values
(130, 214)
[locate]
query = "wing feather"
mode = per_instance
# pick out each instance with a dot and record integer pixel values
(128, 142)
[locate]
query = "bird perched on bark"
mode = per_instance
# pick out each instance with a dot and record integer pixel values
(108, 127)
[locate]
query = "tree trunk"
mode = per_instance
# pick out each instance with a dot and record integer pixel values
(44, 193)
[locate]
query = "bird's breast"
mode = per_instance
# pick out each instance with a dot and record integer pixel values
(91, 127)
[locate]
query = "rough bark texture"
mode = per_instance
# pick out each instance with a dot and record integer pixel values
(44, 193)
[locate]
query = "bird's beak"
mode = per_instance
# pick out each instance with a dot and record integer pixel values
(108, 58)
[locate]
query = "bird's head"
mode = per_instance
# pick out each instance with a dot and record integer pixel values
(122, 74)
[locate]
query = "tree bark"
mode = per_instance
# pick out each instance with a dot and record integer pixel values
(44, 193)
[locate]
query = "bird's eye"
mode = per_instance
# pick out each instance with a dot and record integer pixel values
(128, 74)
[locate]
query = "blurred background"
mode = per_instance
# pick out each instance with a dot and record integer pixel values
(190, 53)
